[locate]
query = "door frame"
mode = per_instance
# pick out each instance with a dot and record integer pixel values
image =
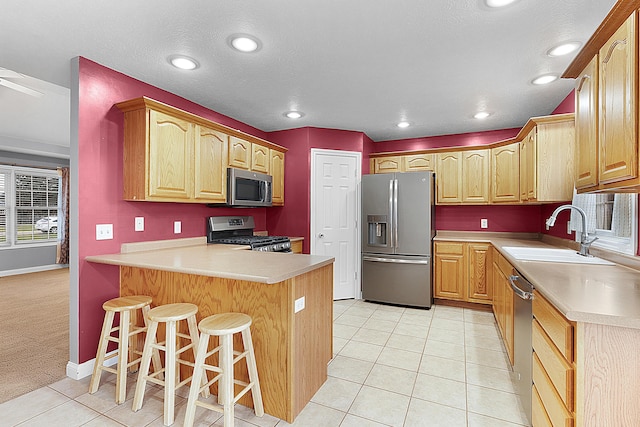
(315, 152)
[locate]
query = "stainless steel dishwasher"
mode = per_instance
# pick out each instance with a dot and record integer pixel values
(522, 345)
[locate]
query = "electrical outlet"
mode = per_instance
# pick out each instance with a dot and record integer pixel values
(177, 227)
(484, 223)
(299, 305)
(139, 223)
(104, 231)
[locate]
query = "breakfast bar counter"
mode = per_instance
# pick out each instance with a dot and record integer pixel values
(288, 296)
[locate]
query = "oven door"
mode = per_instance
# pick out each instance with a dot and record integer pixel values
(246, 188)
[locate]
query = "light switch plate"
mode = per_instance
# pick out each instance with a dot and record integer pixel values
(299, 305)
(177, 227)
(104, 231)
(484, 223)
(139, 223)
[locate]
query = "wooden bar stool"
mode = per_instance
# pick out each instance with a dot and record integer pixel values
(127, 353)
(224, 326)
(170, 315)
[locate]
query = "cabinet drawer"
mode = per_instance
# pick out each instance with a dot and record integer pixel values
(557, 327)
(558, 413)
(539, 417)
(560, 372)
(453, 248)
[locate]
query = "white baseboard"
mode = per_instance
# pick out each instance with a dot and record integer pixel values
(32, 269)
(82, 370)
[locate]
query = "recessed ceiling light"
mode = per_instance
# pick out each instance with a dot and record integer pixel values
(498, 3)
(563, 49)
(294, 114)
(480, 115)
(545, 79)
(183, 62)
(244, 42)
(403, 125)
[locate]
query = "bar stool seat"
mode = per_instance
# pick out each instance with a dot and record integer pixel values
(170, 315)
(126, 352)
(224, 325)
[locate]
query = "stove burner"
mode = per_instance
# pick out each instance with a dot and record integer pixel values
(239, 231)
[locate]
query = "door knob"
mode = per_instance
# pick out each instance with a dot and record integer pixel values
(320, 236)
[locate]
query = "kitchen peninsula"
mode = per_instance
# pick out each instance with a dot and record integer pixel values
(293, 347)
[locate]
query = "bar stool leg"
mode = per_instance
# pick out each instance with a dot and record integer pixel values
(196, 379)
(226, 363)
(256, 394)
(170, 374)
(144, 365)
(107, 324)
(123, 353)
(155, 355)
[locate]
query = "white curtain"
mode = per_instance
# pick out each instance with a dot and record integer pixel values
(621, 217)
(587, 202)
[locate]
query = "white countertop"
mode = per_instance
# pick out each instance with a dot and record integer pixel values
(225, 261)
(601, 294)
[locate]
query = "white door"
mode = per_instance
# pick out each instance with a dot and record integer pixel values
(334, 216)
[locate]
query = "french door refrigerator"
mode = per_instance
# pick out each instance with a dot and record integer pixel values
(397, 233)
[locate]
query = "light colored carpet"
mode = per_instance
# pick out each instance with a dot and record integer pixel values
(34, 331)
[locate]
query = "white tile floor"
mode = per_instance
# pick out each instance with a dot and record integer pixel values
(393, 366)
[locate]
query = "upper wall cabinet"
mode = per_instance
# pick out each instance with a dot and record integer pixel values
(463, 177)
(239, 153)
(404, 163)
(505, 173)
(606, 73)
(449, 178)
(174, 156)
(387, 164)
(276, 166)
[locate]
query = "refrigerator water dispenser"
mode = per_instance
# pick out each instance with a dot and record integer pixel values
(377, 226)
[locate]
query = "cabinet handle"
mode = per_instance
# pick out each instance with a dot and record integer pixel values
(611, 49)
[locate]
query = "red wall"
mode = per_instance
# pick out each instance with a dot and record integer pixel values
(462, 139)
(100, 151)
(520, 219)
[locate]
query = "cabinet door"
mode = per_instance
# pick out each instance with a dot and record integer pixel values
(449, 265)
(387, 164)
(210, 153)
(170, 156)
(480, 269)
(554, 151)
(260, 158)
(418, 162)
(531, 166)
(617, 99)
(586, 126)
(505, 173)
(277, 172)
(239, 153)
(449, 180)
(475, 176)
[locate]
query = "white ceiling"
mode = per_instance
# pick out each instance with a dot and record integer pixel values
(347, 64)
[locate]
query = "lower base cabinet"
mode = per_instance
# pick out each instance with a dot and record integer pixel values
(462, 271)
(503, 300)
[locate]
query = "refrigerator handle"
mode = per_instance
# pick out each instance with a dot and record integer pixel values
(395, 211)
(391, 217)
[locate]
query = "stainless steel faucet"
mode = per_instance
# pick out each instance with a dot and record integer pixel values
(585, 240)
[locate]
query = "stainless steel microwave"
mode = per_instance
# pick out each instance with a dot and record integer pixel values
(246, 188)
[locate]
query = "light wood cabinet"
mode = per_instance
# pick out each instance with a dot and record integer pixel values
(449, 270)
(260, 158)
(170, 155)
(239, 153)
(475, 176)
(586, 127)
(449, 179)
(503, 305)
(547, 159)
(418, 162)
(505, 173)
(553, 364)
(209, 168)
(276, 166)
(296, 246)
(387, 164)
(618, 74)
(462, 271)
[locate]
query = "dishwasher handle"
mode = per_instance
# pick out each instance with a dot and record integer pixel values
(395, 260)
(521, 293)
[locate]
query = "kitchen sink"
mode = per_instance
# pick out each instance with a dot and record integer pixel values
(524, 253)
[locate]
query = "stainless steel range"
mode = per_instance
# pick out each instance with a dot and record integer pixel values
(238, 230)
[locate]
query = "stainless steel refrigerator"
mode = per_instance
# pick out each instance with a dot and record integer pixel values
(397, 234)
